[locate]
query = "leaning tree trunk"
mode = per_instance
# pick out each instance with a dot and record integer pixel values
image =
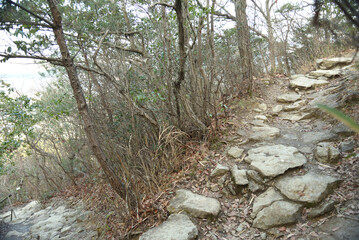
(82, 106)
(245, 49)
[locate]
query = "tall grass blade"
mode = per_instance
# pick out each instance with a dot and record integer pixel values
(340, 116)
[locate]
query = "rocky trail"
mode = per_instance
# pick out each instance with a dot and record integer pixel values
(283, 170)
(54, 221)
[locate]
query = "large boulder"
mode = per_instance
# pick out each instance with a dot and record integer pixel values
(264, 133)
(306, 83)
(277, 214)
(194, 204)
(177, 227)
(329, 63)
(310, 188)
(272, 161)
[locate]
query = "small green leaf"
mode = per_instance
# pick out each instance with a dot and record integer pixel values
(340, 116)
(9, 49)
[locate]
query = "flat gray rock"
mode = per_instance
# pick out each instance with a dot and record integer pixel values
(295, 116)
(309, 188)
(176, 227)
(194, 204)
(264, 133)
(295, 106)
(306, 83)
(277, 214)
(288, 97)
(239, 176)
(235, 152)
(272, 161)
(265, 200)
(316, 137)
(325, 73)
(330, 63)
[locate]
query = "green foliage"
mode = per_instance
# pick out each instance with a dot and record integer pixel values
(17, 122)
(341, 117)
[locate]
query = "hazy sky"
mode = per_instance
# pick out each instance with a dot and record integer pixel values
(23, 75)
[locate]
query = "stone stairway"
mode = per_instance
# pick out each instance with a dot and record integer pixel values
(284, 161)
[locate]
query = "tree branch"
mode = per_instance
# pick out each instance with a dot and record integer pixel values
(162, 4)
(55, 61)
(30, 12)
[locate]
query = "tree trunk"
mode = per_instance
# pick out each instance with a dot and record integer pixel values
(68, 63)
(245, 50)
(182, 59)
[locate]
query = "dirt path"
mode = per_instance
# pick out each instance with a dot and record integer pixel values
(281, 170)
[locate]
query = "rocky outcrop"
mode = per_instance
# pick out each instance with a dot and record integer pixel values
(310, 188)
(176, 227)
(272, 161)
(194, 204)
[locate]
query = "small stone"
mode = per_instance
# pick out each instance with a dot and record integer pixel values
(258, 123)
(239, 176)
(322, 209)
(219, 170)
(261, 117)
(276, 109)
(263, 106)
(235, 152)
(240, 227)
(263, 236)
(326, 153)
(255, 176)
(288, 97)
